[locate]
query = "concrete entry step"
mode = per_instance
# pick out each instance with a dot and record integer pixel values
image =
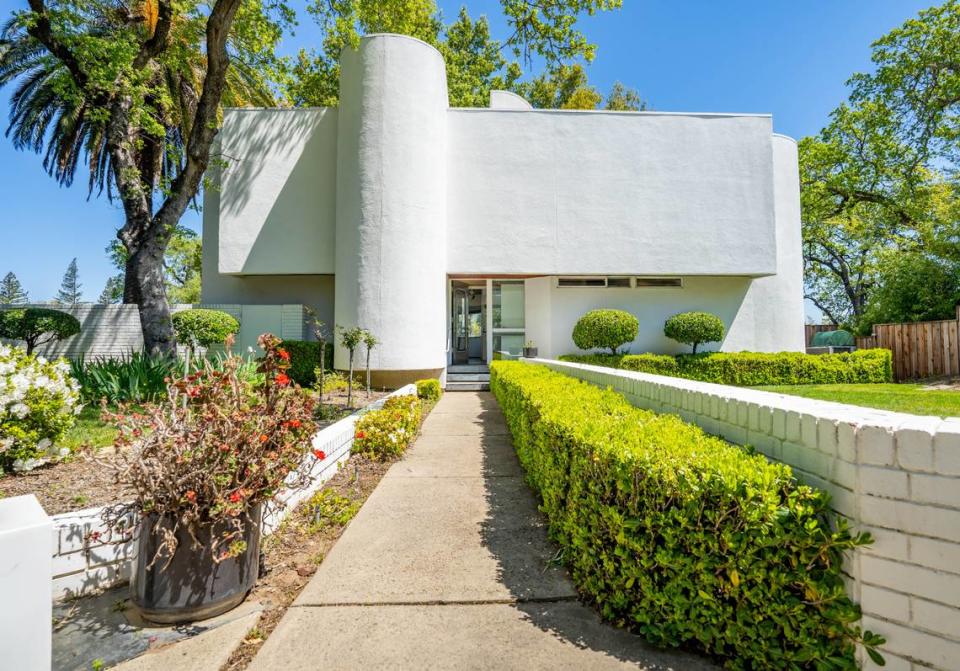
(468, 377)
(467, 386)
(468, 368)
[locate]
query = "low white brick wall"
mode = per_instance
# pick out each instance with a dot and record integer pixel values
(82, 566)
(114, 330)
(892, 474)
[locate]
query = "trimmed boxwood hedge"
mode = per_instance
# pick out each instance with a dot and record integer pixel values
(752, 369)
(680, 536)
(304, 358)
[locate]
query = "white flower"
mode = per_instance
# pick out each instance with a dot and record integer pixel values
(20, 410)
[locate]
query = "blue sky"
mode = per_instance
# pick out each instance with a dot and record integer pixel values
(790, 59)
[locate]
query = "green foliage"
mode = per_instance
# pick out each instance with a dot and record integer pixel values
(881, 178)
(694, 328)
(326, 509)
(71, 291)
(605, 329)
(475, 61)
(332, 381)
(838, 338)
(38, 401)
(203, 327)
(684, 538)
(137, 377)
(912, 287)
(305, 359)
(429, 389)
(915, 399)
(11, 291)
(182, 265)
(566, 87)
(386, 433)
(750, 369)
(37, 326)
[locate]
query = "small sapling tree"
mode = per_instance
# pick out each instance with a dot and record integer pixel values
(351, 339)
(370, 341)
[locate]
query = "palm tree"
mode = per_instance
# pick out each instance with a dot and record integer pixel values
(61, 108)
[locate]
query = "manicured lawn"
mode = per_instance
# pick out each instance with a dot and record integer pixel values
(912, 398)
(89, 430)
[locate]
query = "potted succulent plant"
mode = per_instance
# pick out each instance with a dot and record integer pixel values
(202, 465)
(530, 350)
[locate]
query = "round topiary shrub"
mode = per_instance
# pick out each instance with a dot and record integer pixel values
(37, 326)
(38, 401)
(605, 329)
(203, 327)
(694, 328)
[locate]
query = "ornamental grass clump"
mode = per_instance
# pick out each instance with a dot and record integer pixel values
(38, 404)
(216, 449)
(386, 433)
(682, 537)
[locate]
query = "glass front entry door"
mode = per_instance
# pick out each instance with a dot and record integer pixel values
(460, 312)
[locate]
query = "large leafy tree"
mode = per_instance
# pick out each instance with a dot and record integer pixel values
(545, 30)
(133, 89)
(882, 177)
(182, 263)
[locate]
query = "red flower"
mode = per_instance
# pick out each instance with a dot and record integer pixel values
(283, 354)
(320, 454)
(295, 423)
(360, 435)
(282, 379)
(235, 497)
(94, 535)
(191, 496)
(264, 438)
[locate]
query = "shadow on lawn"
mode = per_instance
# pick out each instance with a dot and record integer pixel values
(515, 533)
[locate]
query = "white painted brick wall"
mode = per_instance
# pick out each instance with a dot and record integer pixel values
(82, 566)
(114, 330)
(892, 474)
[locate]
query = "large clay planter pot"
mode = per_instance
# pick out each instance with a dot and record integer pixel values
(192, 586)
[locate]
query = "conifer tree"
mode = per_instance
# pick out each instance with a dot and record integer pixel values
(11, 291)
(70, 288)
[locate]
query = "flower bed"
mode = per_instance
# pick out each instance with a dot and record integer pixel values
(682, 537)
(751, 369)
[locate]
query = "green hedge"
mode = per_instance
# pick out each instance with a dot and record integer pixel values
(429, 389)
(752, 369)
(304, 358)
(680, 536)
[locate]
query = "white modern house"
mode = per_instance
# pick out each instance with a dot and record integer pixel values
(458, 235)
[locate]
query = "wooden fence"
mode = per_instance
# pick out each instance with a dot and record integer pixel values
(920, 349)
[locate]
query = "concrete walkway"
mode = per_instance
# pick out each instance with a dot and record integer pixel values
(448, 566)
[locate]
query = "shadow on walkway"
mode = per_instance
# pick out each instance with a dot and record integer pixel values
(564, 617)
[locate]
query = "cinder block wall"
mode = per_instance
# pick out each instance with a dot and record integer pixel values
(894, 475)
(114, 330)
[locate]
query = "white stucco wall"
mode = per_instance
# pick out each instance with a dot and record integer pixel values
(394, 191)
(391, 201)
(508, 100)
(771, 316)
(609, 192)
(552, 311)
(277, 203)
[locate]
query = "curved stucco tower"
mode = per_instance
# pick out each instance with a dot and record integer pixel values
(391, 205)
